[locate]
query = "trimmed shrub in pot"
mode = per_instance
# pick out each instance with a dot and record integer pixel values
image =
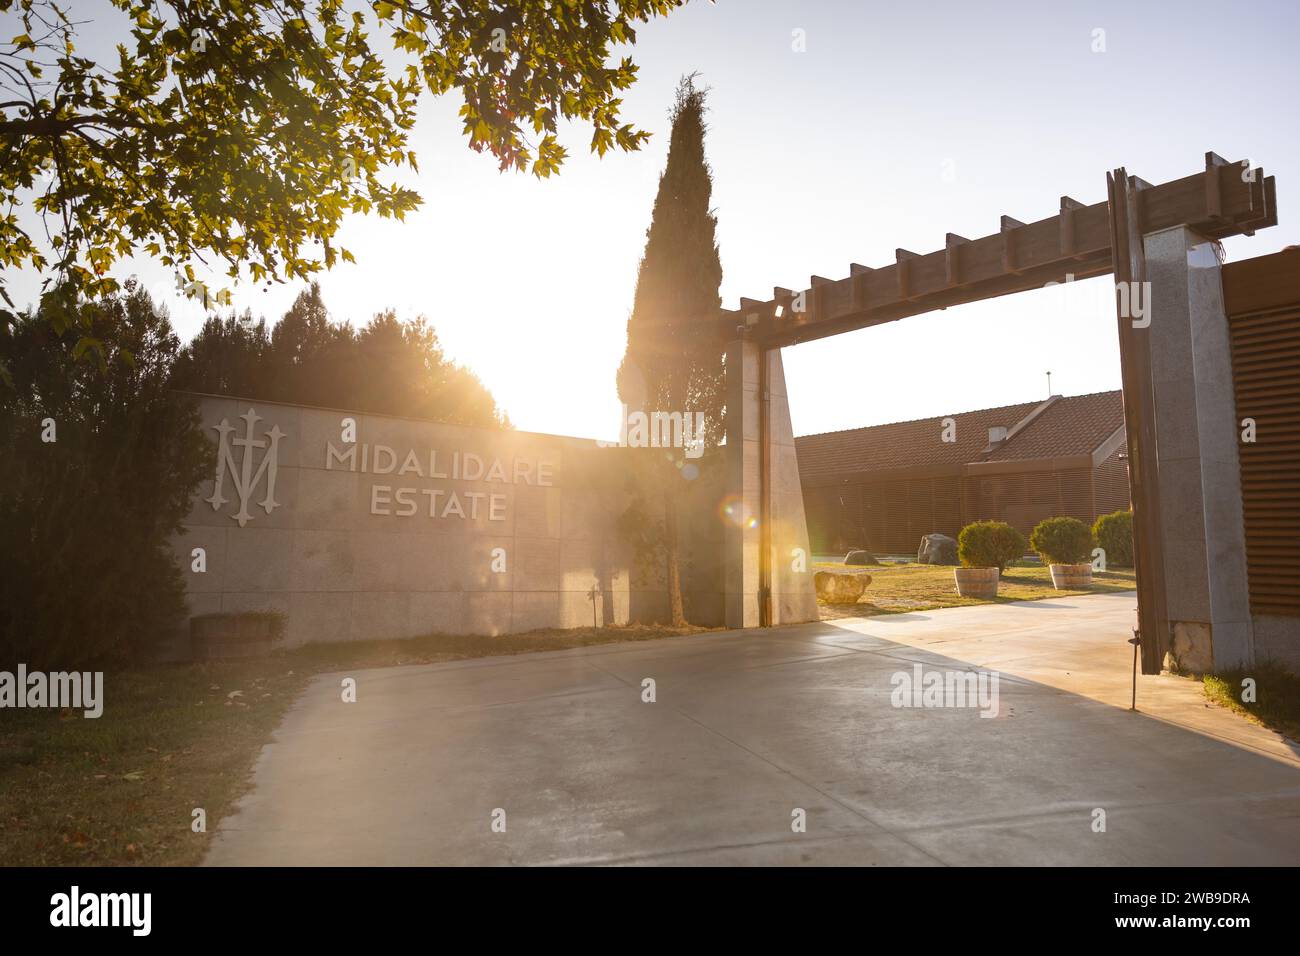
(989, 544)
(1066, 545)
(1114, 534)
(984, 549)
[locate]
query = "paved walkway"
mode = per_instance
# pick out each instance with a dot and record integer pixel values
(747, 727)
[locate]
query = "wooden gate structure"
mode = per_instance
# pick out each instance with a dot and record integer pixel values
(1177, 223)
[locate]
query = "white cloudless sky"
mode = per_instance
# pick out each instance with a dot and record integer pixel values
(897, 123)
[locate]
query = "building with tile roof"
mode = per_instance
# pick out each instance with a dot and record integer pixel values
(883, 487)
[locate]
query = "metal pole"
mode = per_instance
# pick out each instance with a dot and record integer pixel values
(1136, 641)
(764, 492)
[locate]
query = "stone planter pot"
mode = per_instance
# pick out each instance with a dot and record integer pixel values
(1069, 576)
(979, 583)
(220, 636)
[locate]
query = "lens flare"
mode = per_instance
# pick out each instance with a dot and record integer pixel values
(732, 510)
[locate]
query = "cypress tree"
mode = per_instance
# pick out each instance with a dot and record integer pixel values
(673, 363)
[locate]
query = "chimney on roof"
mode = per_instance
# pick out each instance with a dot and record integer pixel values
(997, 434)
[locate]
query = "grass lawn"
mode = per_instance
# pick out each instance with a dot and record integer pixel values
(898, 588)
(1277, 696)
(120, 789)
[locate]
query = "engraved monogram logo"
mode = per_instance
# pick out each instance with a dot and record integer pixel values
(242, 475)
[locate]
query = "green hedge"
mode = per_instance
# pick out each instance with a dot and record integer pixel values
(1114, 534)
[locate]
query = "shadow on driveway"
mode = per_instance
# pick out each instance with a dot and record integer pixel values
(749, 728)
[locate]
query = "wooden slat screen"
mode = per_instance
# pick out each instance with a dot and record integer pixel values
(1110, 485)
(1262, 297)
(890, 517)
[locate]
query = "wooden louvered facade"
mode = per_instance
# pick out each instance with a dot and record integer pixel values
(885, 486)
(1262, 299)
(889, 513)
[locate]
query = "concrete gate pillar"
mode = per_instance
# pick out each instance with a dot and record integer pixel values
(757, 408)
(1196, 441)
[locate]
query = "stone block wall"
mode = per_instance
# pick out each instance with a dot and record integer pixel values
(363, 540)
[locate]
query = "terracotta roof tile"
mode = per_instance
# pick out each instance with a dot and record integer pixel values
(1072, 426)
(1076, 425)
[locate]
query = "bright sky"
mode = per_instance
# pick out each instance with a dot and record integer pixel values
(898, 123)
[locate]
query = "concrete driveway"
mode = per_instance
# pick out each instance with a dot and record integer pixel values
(748, 728)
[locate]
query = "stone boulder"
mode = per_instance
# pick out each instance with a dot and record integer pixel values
(937, 549)
(860, 558)
(840, 587)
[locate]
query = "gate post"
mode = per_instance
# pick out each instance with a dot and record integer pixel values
(1207, 598)
(768, 567)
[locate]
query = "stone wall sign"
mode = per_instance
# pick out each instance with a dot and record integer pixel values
(359, 527)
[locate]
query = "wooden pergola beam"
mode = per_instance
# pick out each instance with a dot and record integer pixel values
(1225, 199)
(952, 244)
(1069, 245)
